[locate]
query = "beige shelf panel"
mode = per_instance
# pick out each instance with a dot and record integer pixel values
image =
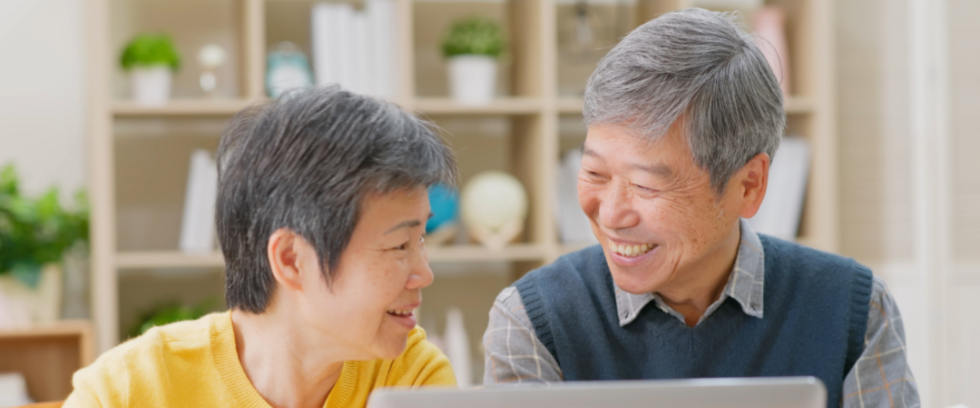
(168, 259)
(794, 105)
(798, 105)
(570, 105)
(182, 107)
(500, 106)
(453, 253)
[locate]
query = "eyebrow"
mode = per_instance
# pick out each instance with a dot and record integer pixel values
(657, 169)
(406, 224)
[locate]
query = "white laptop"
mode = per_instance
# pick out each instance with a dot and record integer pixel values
(783, 392)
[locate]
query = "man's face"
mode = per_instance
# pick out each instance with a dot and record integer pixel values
(653, 209)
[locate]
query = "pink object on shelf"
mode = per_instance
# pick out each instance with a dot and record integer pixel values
(769, 24)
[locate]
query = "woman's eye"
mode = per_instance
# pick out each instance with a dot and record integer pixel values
(402, 247)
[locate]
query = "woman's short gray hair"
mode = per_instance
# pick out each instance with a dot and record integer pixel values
(701, 66)
(305, 162)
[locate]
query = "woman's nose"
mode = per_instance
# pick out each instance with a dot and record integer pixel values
(421, 274)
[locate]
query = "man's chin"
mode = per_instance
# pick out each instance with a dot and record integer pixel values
(634, 282)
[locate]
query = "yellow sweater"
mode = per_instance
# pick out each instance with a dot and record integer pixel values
(194, 363)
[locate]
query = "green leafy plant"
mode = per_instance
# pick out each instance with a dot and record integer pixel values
(150, 50)
(170, 313)
(475, 35)
(35, 232)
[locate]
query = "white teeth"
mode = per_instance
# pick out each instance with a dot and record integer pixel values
(630, 250)
(401, 312)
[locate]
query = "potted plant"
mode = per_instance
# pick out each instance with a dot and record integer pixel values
(34, 235)
(151, 60)
(472, 47)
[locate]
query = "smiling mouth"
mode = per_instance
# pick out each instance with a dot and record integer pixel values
(631, 251)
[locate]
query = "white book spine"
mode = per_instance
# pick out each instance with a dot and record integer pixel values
(343, 29)
(321, 16)
(197, 226)
(381, 20)
(360, 52)
(458, 347)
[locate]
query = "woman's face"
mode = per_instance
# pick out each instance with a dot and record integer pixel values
(368, 308)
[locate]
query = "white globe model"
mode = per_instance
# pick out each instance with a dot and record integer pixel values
(493, 199)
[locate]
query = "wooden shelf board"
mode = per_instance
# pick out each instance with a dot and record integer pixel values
(451, 253)
(181, 107)
(61, 328)
(500, 106)
(792, 105)
(168, 259)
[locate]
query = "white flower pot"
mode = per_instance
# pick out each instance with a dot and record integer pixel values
(472, 78)
(151, 85)
(21, 305)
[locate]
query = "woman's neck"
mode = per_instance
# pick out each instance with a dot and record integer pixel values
(285, 368)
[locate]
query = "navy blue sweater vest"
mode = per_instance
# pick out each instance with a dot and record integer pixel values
(815, 317)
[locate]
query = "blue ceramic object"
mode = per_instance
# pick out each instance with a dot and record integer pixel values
(444, 201)
(286, 68)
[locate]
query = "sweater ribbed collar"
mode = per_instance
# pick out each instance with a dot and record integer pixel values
(745, 284)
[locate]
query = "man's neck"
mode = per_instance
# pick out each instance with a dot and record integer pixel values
(692, 297)
(280, 364)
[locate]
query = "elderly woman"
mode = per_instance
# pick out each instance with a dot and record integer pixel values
(321, 209)
(684, 116)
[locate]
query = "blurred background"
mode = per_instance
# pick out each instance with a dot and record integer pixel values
(111, 110)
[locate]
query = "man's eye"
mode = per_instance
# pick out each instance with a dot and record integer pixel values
(402, 247)
(646, 189)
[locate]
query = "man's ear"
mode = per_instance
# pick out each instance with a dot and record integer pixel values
(754, 178)
(284, 258)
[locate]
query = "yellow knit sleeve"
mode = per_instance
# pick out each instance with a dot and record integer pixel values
(102, 384)
(422, 364)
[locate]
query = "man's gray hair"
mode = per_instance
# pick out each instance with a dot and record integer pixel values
(306, 162)
(700, 67)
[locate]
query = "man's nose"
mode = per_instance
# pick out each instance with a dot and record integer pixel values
(616, 209)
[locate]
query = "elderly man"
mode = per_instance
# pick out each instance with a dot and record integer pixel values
(684, 117)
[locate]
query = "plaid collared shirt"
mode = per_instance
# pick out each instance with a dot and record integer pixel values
(880, 378)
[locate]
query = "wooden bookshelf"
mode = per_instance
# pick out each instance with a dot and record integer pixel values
(127, 208)
(47, 355)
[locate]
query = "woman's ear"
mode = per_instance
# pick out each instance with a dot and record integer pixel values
(754, 178)
(284, 258)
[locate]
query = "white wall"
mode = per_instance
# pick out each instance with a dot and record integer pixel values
(42, 92)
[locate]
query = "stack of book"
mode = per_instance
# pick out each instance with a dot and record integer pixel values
(356, 48)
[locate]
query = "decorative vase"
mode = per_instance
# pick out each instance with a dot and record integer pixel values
(472, 78)
(493, 208)
(151, 85)
(22, 305)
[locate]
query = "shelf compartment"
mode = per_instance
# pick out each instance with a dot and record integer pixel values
(182, 107)
(47, 355)
(499, 106)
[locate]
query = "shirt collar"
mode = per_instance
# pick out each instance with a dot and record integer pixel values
(745, 284)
